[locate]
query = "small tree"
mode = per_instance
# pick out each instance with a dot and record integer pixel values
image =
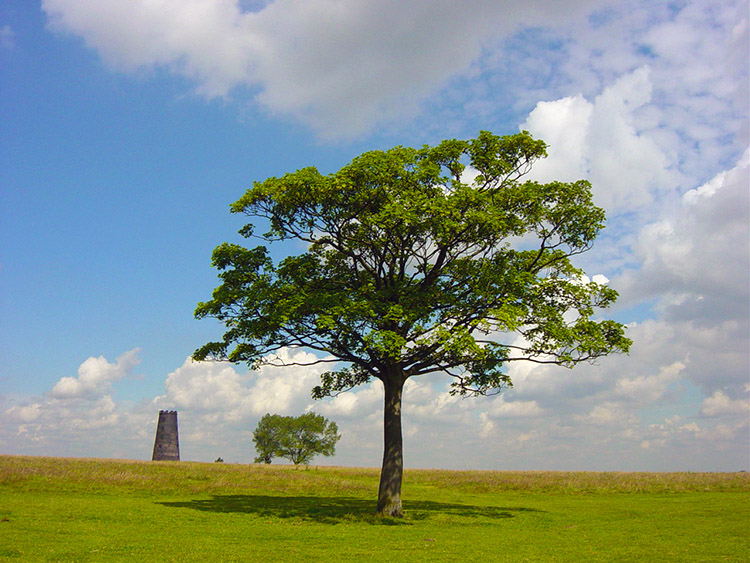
(267, 437)
(413, 266)
(297, 439)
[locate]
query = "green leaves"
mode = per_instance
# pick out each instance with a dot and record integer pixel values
(411, 269)
(298, 439)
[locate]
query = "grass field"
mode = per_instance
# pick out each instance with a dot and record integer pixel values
(58, 509)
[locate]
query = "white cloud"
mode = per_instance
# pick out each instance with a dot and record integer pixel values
(338, 67)
(95, 376)
(514, 409)
(564, 125)
(204, 386)
(96, 415)
(486, 425)
(555, 419)
(646, 389)
(719, 404)
(215, 387)
(79, 416)
(691, 105)
(23, 413)
(282, 389)
(607, 414)
(697, 47)
(353, 404)
(713, 355)
(672, 435)
(698, 74)
(599, 141)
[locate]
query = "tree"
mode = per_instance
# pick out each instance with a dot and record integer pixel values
(441, 259)
(297, 439)
(266, 437)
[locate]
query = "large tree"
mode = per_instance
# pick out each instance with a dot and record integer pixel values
(437, 260)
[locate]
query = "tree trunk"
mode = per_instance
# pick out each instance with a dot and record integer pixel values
(389, 493)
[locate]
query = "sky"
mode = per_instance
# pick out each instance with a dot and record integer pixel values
(128, 127)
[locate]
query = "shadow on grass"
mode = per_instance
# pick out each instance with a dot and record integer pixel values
(335, 510)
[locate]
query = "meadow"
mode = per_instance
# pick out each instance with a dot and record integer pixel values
(61, 509)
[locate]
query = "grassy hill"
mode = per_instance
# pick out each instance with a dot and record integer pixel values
(59, 509)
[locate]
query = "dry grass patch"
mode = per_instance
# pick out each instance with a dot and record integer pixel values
(576, 482)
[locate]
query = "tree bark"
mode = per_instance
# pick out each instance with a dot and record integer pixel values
(389, 493)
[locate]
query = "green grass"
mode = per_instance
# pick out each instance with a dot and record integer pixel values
(54, 509)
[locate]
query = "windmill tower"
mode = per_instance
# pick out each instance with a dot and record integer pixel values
(167, 443)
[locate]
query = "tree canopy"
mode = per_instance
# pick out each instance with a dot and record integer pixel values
(424, 260)
(296, 438)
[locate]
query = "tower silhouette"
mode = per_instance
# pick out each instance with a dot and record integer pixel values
(167, 443)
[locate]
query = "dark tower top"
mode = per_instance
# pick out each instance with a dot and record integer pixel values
(167, 444)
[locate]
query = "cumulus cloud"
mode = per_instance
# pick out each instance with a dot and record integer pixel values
(23, 413)
(564, 125)
(354, 404)
(214, 387)
(650, 388)
(699, 77)
(205, 386)
(511, 409)
(556, 418)
(719, 404)
(599, 141)
(607, 414)
(95, 376)
(690, 104)
(79, 417)
(339, 67)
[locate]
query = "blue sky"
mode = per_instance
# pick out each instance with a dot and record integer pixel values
(128, 127)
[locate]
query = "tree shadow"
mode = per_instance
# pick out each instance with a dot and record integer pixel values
(336, 510)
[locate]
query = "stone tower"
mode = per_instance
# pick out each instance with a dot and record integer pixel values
(167, 444)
